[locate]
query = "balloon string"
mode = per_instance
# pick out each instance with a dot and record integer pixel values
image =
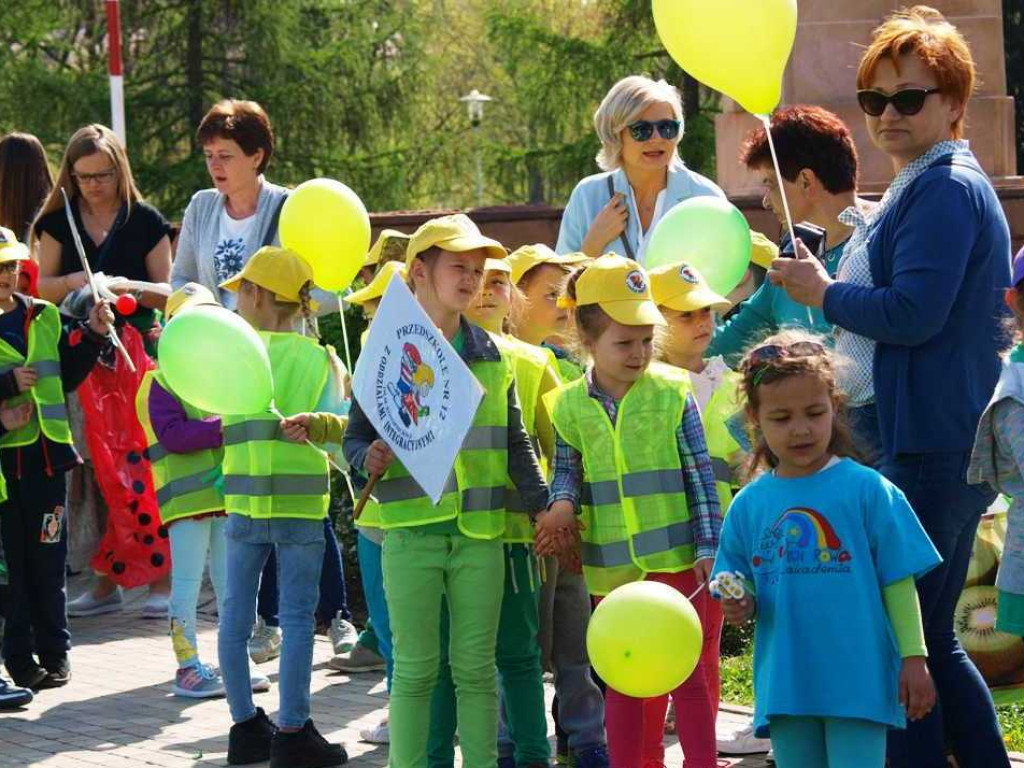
(310, 443)
(344, 332)
(782, 192)
(697, 591)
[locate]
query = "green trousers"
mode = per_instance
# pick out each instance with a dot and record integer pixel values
(420, 569)
(519, 665)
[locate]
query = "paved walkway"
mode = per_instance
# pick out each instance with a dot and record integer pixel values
(118, 710)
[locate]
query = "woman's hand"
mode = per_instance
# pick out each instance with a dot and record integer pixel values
(15, 417)
(557, 529)
(917, 691)
(296, 428)
(739, 612)
(804, 278)
(702, 569)
(378, 458)
(26, 378)
(101, 318)
(606, 226)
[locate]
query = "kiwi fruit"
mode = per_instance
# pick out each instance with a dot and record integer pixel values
(983, 565)
(997, 655)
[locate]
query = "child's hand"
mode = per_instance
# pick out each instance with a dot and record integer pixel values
(557, 529)
(16, 417)
(739, 612)
(917, 692)
(378, 458)
(26, 378)
(296, 428)
(101, 318)
(702, 569)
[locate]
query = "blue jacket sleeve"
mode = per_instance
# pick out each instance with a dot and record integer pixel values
(931, 244)
(752, 322)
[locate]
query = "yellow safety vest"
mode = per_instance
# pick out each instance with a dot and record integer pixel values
(633, 498)
(266, 475)
(50, 413)
(474, 494)
(183, 482)
(568, 370)
(722, 445)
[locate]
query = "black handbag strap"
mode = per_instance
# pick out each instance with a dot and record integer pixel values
(625, 232)
(271, 233)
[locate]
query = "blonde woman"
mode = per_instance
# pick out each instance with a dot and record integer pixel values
(640, 124)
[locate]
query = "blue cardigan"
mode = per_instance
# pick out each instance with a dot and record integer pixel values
(940, 261)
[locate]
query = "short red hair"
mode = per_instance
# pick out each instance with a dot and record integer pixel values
(924, 32)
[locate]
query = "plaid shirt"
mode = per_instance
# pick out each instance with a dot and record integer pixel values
(698, 475)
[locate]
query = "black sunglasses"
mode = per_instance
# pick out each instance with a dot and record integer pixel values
(759, 357)
(909, 101)
(643, 130)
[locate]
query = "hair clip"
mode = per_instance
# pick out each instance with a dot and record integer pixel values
(566, 302)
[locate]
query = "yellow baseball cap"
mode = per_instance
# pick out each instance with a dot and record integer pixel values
(456, 234)
(10, 248)
(763, 251)
(529, 256)
(498, 265)
(390, 243)
(621, 288)
(278, 270)
(376, 287)
(682, 288)
(188, 296)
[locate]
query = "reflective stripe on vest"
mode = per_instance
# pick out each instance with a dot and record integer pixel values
(182, 486)
(246, 431)
(722, 470)
(50, 414)
(276, 485)
(633, 497)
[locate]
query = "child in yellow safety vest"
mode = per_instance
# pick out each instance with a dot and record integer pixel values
(276, 494)
(688, 303)
(41, 357)
(453, 550)
(631, 458)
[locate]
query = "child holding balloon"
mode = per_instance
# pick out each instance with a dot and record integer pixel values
(631, 457)
(453, 550)
(276, 494)
(828, 550)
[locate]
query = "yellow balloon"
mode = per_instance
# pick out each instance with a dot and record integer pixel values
(326, 223)
(738, 47)
(644, 639)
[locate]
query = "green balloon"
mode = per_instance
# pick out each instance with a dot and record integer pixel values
(657, 659)
(215, 360)
(708, 233)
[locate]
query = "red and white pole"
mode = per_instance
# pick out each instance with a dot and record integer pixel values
(115, 70)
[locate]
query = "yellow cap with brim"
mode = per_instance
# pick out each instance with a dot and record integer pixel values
(682, 288)
(376, 287)
(498, 265)
(188, 296)
(620, 287)
(763, 251)
(278, 270)
(456, 234)
(10, 248)
(387, 240)
(526, 258)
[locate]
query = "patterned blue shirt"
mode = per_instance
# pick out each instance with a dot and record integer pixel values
(698, 474)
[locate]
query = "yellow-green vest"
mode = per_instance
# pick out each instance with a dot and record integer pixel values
(50, 413)
(266, 475)
(184, 482)
(633, 498)
(722, 446)
(474, 494)
(529, 364)
(568, 370)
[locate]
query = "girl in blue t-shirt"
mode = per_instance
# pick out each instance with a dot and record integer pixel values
(828, 551)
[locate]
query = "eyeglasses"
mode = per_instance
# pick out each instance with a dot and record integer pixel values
(909, 101)
(759, 357)
(9, 267)
(103, 177)
(643, 130)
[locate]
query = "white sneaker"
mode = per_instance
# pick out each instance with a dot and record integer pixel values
(88, 604)
(343, 635)
(156, 606)
(260, 683)
(265, 643)
(379, 734)
(743, 742)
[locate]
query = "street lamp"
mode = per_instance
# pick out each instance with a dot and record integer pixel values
(474, 102)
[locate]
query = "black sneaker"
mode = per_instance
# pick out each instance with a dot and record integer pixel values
(249, 741)
(12, 697)
(27, 675)
(58, 672)
(305, 749)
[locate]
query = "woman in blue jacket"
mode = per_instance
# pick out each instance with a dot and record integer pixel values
(918, 307)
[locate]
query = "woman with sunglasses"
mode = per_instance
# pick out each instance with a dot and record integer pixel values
(917, 305)
(640, 123)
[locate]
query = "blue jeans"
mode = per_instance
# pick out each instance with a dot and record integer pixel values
(867, 435)
(949, 510)
(372, 572)
(191, 541)
(299, 546)
(333, 596)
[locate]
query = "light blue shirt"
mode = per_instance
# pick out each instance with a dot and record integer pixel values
(819, 550)
(591, 195)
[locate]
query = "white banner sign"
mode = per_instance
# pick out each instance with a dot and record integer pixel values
(415, 389)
